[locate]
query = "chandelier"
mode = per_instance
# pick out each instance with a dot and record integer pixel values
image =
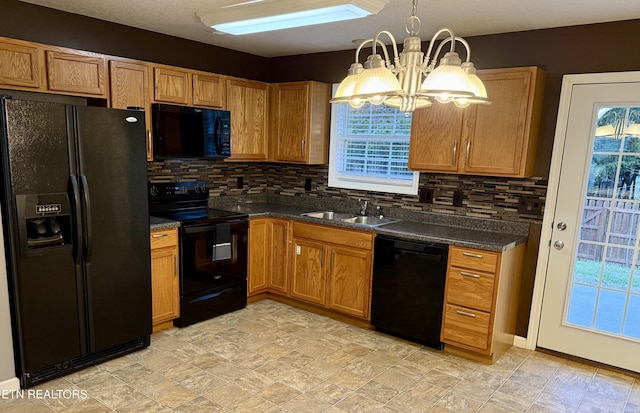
(412, 80)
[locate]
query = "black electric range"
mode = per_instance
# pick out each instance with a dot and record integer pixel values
(213, 250)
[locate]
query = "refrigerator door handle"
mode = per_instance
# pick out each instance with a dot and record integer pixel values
(76, 203)
(87, 208)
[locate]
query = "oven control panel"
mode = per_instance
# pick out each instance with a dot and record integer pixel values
(186, 190)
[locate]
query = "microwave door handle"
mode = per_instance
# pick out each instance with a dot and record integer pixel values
(217, 136)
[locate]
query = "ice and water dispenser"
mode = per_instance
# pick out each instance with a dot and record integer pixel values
(44, 220)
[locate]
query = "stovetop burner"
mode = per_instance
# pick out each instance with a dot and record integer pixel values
(186, 202)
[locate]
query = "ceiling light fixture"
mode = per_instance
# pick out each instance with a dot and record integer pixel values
(412, 80)
(257, 17)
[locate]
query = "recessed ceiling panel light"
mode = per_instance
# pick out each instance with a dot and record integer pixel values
(266, 16)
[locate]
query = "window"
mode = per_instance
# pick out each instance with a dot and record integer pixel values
(370, 149)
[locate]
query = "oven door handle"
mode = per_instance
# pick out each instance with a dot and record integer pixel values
(193, 229)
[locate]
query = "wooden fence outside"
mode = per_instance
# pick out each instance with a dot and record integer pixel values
(625, 216)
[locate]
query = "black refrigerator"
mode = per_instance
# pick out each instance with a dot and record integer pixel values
(76, 232)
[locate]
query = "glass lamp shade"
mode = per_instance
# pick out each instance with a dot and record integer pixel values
(345, 88)
(448, 81)
(633, 130)
(477, 87)
(606, 131)
(376, 82)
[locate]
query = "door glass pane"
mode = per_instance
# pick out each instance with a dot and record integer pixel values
(604, 291)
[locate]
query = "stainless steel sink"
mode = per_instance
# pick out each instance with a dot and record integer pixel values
(368, 220)
(327, 215)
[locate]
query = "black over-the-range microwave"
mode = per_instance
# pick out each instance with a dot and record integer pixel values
(186, 132)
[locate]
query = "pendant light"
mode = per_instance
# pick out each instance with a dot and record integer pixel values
(412, 80)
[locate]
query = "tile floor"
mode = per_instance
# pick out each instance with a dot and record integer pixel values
(270, 357)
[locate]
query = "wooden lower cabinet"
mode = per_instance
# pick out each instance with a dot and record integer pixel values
(268, 256)
(350, 280)
(321, 265)
(481, 301)
(332, 267)
(165, 287)
(309, 278)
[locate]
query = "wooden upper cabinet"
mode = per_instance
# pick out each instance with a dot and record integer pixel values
(209, 90)
(499, 139)
(171, 85)
(77, 73)
(299, 119)
(248, 103)
(19, 64)
(435, 138)
(502, 137)
(129, 86)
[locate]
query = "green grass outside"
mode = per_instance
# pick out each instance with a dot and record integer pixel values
(615, 276)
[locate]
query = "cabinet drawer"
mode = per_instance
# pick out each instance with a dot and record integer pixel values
(470, 288)
(334, 235)
(466, 326)
(478, 260)
(164, 238)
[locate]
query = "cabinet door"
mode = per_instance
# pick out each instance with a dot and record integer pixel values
(350, 280)
(209, 90)
(75, 73)
(279, 254)
(258, 255)
(247, 102)
(164, 284)
(498, 134)
(308, 279)
(291, 120)
(435, 138)
(129, 84)
(19, 65)
(171, 86)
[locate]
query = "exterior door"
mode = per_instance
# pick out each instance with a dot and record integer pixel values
(591, 305)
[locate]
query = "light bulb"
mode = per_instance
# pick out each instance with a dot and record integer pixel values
(356, 103)
(462, 102)
(443, 98)
(377, 99)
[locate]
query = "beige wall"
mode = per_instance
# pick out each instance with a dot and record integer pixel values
(7, 369)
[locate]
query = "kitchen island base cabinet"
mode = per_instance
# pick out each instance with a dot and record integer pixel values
(481, 301)
(165, 287)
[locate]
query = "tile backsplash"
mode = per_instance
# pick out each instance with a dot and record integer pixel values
(483, 196)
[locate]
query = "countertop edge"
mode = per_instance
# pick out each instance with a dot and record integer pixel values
(514, 239)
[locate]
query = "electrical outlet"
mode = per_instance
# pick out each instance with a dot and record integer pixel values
(457, 198)
(240, 184)
(307, 184)
(530, 206)
(425, 195)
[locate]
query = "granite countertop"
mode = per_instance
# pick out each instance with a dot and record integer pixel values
(462, 236)
(162, 223)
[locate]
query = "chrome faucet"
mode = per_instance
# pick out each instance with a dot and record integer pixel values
(363, 206)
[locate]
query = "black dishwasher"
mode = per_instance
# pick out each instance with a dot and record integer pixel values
(408, 289)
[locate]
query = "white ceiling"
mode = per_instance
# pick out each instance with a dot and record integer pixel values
(465, 17)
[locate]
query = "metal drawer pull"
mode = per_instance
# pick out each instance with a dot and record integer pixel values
(470, 254)
(469, 274)
(160, 235)
(455, 152)
(464, 313)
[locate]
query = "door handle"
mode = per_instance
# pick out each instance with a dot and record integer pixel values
(558, 245)
(333, 253)
(455, 151)
(87, 209)
(465, 313)
(303, 147)
(466, 159)
(76, 201)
